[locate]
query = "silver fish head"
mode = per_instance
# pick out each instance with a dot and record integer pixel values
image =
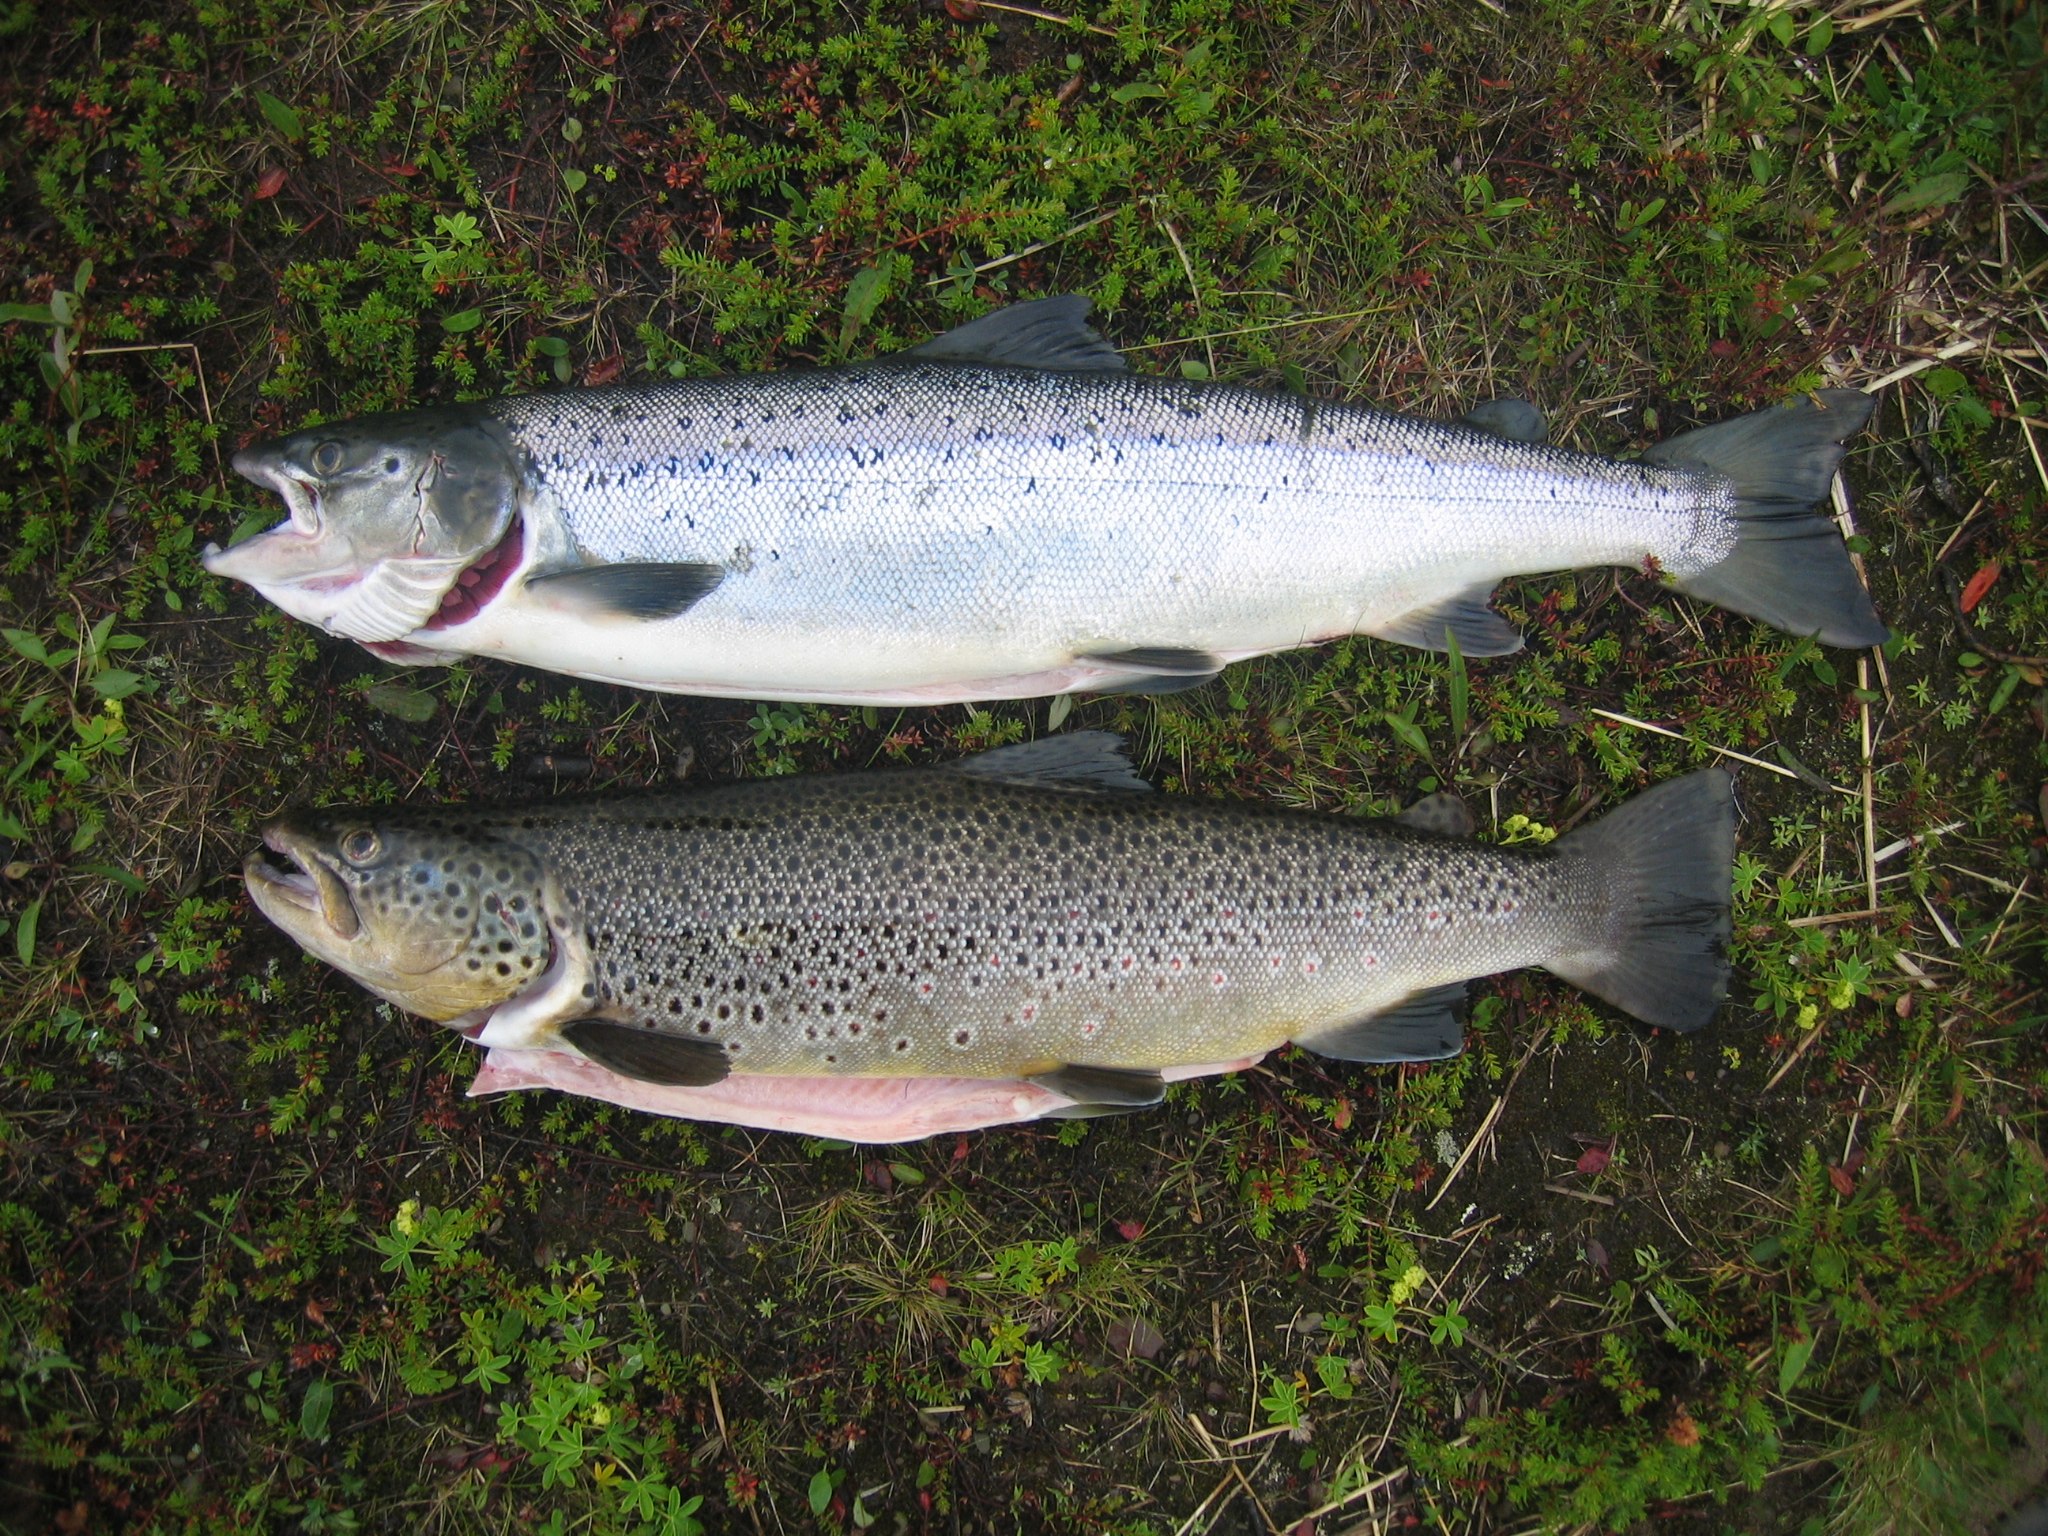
(437, 918)
(387, 512)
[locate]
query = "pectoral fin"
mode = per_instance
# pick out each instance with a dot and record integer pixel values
(1102, 1090)
(648, 1055)
(1480, 631)
(1422, 1027)
(639, 590)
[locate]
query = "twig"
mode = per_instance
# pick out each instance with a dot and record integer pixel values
(1947, 932)
(1580, 1194)
(1053, 16)
(1823, 919)
(1030, 250)
(1486, 1125)
(1741, 757)
(1900, 845)
(1992, 943)
(1921, 364)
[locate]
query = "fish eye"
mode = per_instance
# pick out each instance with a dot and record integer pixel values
(359, 846)
(327, 458)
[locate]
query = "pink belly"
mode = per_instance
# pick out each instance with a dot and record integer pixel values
(870, 1109)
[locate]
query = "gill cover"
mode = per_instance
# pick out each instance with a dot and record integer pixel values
(385, 512)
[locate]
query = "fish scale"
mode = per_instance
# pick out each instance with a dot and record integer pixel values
(851, 493)
(1027, 917)
(939, 924)
(1004, 512)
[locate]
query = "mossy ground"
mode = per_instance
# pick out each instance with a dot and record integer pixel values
(266, 1268)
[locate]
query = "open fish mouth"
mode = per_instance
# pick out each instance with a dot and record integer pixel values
(286, 882)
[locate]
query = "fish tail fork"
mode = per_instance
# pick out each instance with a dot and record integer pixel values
(1789, 566)
(1666, 859)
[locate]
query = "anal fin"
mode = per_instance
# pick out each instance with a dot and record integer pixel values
(648, 1055)
(1480, 631)
(1421, 1027)
(635, 590)
(1103, 1090)
(1157, 668)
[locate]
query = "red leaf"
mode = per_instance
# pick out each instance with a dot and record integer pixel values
(1975, 588)
(607, 370)
(940, 1285)
(270, 183)
(1843, 1180)
(1595, 1159)
(399, 168)
(1131, 1230)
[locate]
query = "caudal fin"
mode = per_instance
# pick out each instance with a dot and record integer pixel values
(1668, 857)
(1789, 567)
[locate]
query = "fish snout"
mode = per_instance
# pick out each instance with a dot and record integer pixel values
(286, 878)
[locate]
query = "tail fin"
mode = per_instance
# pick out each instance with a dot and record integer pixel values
(1668, 858)
(1788, 567)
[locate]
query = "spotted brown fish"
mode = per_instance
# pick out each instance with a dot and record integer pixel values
(1026, 917)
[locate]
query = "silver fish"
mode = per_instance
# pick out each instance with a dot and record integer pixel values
(1028, 924)
(1004, 512)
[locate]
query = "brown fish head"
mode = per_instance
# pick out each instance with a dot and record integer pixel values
(435, 917)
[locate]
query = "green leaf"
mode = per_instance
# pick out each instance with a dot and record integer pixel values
(821, 1490)
(33, 314)
(127, 879)
(396, 699)
(1408, 733)
(575, 180)
(1792, 1365)
(28, 644)
(1137, 90)
(551, 346)
(462, 320)
(1057, 711)
(864, 296)
(905, 1173)
(1930, 192)
(281, 116)
(118, 683)
(25, 931)
(1460, 686)
(314, 1411)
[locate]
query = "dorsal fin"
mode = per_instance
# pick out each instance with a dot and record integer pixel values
(1442, 813)
(1510, 417)
(1089, 761)
(1040, 333)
